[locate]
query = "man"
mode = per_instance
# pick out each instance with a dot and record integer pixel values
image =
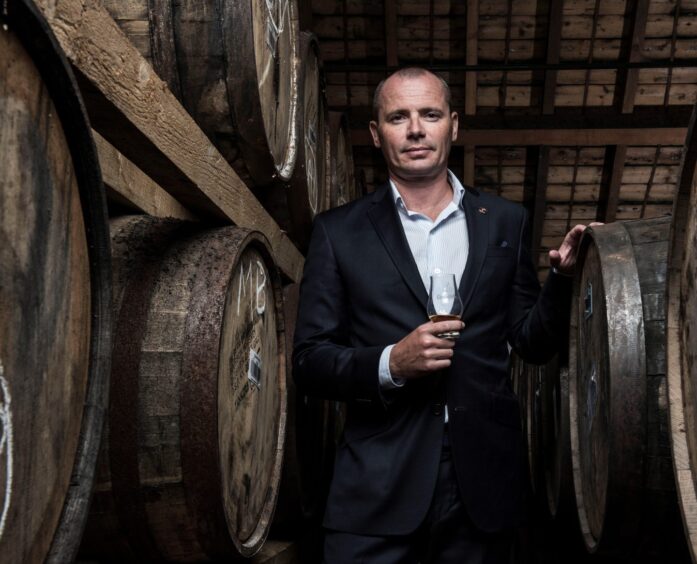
(429, 469)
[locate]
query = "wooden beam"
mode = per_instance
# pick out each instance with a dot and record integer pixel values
(391, 33)
(627, 79)
(643, 117)
(468, 171)
(138, 102)
(535, 194)
(558, 137)
(130, 186)
(471, 57)
(556, 11)
(609, 196)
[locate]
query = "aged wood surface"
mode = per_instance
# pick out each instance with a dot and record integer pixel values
(44, 352)
(341, 182)
(54, 295)
(306, 193)
(680, 339)
(622, 469)
(145, 122)
(130, 186)
(197, 410)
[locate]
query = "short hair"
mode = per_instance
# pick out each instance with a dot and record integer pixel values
(407, 72)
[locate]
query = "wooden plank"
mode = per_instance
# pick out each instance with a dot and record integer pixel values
(471, 56)
(628, 79)
(560, 137)
(128, 185)
(391, 33)
(133, 109)
(610, 186)
(556, 11)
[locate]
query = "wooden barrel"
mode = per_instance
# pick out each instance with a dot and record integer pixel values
(55, 292)
(622, 470)
(527, 383)
(197, 406)
(556, 443)
(341, 184)
(307, 454)
(231, 64)
(306, 193)
(681, 338)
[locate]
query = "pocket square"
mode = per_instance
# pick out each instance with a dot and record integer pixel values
(503, 243)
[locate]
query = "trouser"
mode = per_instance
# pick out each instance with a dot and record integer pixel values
(447, 535)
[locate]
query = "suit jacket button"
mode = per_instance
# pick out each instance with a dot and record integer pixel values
(437, 409)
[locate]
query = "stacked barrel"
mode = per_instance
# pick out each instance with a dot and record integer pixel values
(55, 294)
(610, 434)
(254, 84)
(187, 369)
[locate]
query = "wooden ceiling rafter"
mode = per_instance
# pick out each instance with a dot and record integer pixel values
(673, 42)
(555, 137)
(572, 196)
(649, 184)
(344, 27)
(554, 26)
(591, 48)
(608, 200)
(627, 80)
(390, 13)
(366, 65)
(472, 56)
(506, 57)
(535, 193)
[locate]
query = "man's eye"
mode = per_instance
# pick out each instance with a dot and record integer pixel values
(433, 115)
(397, 118)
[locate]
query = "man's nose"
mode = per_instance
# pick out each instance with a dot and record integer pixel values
(415, 128)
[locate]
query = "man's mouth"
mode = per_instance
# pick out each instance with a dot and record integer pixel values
(418, 149)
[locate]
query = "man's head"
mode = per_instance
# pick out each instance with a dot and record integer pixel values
(413, 124)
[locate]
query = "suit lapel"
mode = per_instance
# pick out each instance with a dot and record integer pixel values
(383, 215)
(478, 232)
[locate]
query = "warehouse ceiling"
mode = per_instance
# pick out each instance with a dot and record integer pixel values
(578, 109)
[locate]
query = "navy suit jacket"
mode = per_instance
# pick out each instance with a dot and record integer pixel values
(360, 292)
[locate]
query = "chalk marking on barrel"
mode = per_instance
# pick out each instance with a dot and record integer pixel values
(5, 445)
(261, 289)
(257, 288)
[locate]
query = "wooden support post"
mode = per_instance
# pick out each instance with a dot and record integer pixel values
(471, 56)
(535, 193)
(556, 10)
(391, 33)
(611, 182)
(135, 111)
(468, 172)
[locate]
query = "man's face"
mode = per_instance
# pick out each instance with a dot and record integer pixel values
(415, 127)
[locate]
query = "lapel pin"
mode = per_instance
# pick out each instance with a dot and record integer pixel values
(482, 210)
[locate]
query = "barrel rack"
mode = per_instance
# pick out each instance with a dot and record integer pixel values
(153, 155)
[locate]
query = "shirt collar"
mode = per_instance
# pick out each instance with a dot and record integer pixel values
(456, 185)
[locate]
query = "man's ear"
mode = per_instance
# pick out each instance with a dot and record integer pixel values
(454, 119)
(374, 133)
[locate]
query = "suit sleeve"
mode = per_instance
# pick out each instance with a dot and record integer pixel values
(538, 320)
(324, 362)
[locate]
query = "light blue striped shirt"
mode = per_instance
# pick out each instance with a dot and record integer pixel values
(439, 246)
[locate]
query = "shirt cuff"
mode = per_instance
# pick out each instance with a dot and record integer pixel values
(386, 380)
(554, 269)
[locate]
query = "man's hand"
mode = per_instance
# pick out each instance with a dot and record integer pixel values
(422, 351)
(564, 260)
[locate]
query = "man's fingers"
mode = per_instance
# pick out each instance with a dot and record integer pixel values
(444, 326)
